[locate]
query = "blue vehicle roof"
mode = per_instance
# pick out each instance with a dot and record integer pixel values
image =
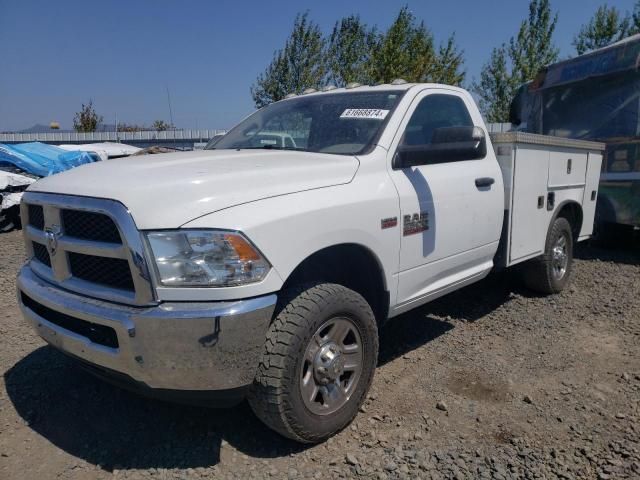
(623, 56)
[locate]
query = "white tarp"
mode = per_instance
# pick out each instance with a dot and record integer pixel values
(104, 150)
(7, 180)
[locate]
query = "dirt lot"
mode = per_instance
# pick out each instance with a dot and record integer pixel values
(489, 382)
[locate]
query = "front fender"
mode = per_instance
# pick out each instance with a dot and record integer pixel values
(290, 228)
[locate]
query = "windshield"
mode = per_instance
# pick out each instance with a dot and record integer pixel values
(339, 123)
(213, 141)
(597, 108)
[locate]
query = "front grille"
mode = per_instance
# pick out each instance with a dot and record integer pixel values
(41, 254)
(111, 272)
(90, 226)
(36, 216)
(100, 334)
(111, 265)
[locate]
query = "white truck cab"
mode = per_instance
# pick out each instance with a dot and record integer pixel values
(264, 269)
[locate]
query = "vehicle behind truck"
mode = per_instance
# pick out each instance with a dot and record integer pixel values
(595, 97)
(264, 269)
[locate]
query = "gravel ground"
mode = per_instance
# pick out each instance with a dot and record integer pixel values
(489, 382)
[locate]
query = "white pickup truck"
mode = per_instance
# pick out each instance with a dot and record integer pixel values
(261, 270)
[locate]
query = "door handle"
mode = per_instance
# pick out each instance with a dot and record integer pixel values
(484, 182)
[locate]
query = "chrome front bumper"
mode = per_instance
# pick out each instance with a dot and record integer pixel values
(174, 346)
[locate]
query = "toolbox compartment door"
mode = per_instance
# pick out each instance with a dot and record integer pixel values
(529, 215)
(567, 168)
(590, 196)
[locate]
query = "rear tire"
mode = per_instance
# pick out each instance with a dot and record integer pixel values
(605, 230)
(318, 362)
(550, 272)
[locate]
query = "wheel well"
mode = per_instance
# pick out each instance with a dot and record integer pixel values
(572, 211)
(350, 265)
(605, 209)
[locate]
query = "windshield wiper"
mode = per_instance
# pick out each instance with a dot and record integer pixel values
(261, 147)
(271, 147)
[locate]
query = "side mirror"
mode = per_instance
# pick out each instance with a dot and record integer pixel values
(448, 144)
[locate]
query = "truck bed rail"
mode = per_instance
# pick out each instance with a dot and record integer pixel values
(546, 140)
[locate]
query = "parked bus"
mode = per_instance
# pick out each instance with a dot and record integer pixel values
(595, 96)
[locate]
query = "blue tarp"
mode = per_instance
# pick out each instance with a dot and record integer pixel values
(41, 159)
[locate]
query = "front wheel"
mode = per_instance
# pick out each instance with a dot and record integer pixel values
(9, 218)
(550, 272)
(318, 363)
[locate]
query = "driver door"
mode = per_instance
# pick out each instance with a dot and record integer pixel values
(450, 227)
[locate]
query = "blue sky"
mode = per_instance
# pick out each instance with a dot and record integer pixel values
(56, 55)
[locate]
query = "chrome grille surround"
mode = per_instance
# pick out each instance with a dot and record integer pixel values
(132, 247)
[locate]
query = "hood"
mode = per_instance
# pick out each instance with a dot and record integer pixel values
(168, 190)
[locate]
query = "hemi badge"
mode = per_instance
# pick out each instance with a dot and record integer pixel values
(389, 222)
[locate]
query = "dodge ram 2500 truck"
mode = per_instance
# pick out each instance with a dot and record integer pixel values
(264, 269)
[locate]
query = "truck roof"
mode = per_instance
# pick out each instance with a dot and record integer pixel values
(372, 88)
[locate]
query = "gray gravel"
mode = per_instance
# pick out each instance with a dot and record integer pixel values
(532, 387)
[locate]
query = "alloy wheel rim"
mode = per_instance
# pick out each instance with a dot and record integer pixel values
(331, 366)
(560, 257)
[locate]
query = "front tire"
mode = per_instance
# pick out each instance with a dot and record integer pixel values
(550, 272)
(10, 219)
(318, 363)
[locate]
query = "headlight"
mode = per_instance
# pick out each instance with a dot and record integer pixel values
(206, 258)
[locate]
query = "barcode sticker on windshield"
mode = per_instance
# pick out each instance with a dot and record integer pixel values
(368, 113)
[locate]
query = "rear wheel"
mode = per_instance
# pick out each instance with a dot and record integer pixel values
(318, 363)
(550, 272)
(605, 230)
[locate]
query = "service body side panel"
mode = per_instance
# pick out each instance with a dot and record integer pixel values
(529, 216)
(594, 163)
(542, 175)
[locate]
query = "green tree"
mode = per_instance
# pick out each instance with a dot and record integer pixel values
(533, 47)
(405, 51)
(607, 26)
(161, 125)
(273, 84)
(300, 65)
(497, 87)
(130, 127)
(86, 120)
(518, 62)
(449, 64)
(635, 19)
(349, 52)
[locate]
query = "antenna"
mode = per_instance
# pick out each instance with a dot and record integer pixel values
(171, 115)
(170, 110)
